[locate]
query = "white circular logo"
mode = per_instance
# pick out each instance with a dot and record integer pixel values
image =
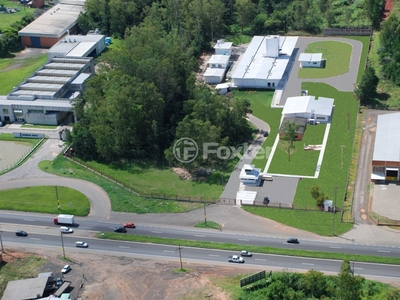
(185, 150)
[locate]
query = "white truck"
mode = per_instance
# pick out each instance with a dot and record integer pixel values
(236, 259)
(64, 219)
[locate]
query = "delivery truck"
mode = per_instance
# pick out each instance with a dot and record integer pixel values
(64, 220)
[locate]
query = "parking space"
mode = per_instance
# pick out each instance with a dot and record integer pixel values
(386, 200)
(281, 190)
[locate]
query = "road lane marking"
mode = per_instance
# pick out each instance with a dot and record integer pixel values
(307, 264)
(359, 268)
(384, 251)
(125, 247)
(171, 251)
(29, 220)
(35, 239)
(243, 240)
(214, 255)
(198, 235)
(262, 259)
(156, 232)
(335, 247)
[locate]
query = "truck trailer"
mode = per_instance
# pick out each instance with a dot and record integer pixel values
(64, 220)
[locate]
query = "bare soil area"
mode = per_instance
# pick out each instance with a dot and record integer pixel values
(98, 276)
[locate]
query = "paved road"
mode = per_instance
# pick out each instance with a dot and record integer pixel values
(343, 82)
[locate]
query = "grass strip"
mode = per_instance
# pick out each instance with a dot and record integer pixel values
(251, 248)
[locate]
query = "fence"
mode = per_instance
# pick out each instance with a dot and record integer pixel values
(129, 187)
(348, 31)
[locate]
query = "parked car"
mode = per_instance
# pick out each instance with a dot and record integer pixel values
(66, 269)
(293, 241)
(64, 229)
(129, 225)
(59, 281)
(81, 245)
(246, 253)
(120, 229)
(21, 233)
(266, 201)
(265, 134)
(236, 259)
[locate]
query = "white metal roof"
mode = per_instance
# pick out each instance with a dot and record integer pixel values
(254, 64)
(55, 22)
(82, 49)
(308, 104)
(214, 72)
(218, 59)
(223, 45)
(387, 139)
(310, 57)
(252, 173)
(246, 196)
(38, 102)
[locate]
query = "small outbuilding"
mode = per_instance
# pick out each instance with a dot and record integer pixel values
(223, 48)
(250, 175)
(214, 75)
(328, 205)
(218, 61)
(311, 60)
(246, 197)
(309, 108)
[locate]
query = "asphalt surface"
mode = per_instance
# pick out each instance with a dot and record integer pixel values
(344, 82)
(208, 256)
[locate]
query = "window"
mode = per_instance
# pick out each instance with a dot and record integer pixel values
(320, 118)
(314, 63)
(5, 111)
(37, 111)
(219, 66)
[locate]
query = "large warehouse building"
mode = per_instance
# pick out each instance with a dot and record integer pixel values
(386, 158)
(59, 21)
(264, 63)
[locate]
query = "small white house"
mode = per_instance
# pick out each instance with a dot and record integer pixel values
(250, 175)
(310, 60)
(218, 61)
(214, 75)
(309, 108)
(223, 48)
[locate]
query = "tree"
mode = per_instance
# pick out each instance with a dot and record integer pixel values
(315, 191)
(289, 134)
(313, 283)
(349, 286)
(245, 12)
(366, 90)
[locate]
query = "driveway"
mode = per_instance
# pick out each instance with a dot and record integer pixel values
(344, 82)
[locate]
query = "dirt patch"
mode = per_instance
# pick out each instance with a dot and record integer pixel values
(96, 276)
(182, 173)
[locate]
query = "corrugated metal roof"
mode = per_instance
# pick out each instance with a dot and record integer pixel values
(218, 59)
(82, 49)
(387, 139)
(255, 65)
(41, 103)
(214, 72)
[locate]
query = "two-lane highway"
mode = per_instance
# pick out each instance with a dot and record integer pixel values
(207, 256)
(87, 225)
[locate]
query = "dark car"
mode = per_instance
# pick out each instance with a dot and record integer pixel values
(293, 241)
(266, 201)
(21, 233)
(120, 229)
(265, 134)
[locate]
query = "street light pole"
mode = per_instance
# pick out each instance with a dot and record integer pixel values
(180, 256)
(342, 146)
(205, 214)
(62, 243)
(334, 213)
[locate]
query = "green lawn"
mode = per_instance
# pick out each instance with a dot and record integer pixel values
(14, 71)
(337, 59)
(261, 106)
(301, 162)
(121, 199)
(7, 19)
(11, 138)
(43, 199)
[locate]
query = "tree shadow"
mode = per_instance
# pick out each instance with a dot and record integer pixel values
(382, 96)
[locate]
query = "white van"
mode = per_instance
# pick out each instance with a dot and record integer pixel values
(64, 229)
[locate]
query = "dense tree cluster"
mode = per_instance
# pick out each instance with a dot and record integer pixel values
(144, 97)
(315, 285)
(201, 21)
(366, 89)
(389, 52)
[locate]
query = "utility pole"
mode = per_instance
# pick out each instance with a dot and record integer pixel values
(334, 212)
(58, 201)
(2, 248)
(180, 255)
(62, 243)
(348, 122)
(342, 146)
(205, 214)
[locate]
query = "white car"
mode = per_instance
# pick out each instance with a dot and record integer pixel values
(64, 229)
(236, 259)
(81, 245)
(66, 269)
